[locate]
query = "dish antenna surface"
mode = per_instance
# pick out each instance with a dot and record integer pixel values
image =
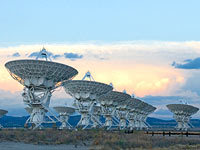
(39, 78)
(86, 94)
(134, 111)
(182, 114)
(122, 110)
(138, 112)
(109, 102)
(64, 113)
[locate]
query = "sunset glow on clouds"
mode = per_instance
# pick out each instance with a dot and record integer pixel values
(149, 48)
(141, 67)
(137, 67)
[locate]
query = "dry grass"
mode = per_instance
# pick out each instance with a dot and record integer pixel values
(139, 140)
(100, 139)
(47, 136)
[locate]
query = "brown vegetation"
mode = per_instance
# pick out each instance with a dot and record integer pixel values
(100, 139)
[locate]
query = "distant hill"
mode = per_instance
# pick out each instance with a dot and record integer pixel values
(10, 121)
(159, 123)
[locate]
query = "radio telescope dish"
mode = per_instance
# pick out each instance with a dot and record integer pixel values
(144, 111)
(86, 93)
(134, 112)
(86, 89)
(64, 113)
(134, 103)
(182, 114)
(40, 78)
(38, 73)
(109, 102)
(138, 112)
(2, 113)
(113, 96)
(122, 111)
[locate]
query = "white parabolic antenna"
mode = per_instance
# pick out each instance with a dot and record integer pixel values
(109, 102)
(40, 78)
(134, 112)
(64, 113)
(122, 111)
(182, 114)
(86, 94)
(138, 112)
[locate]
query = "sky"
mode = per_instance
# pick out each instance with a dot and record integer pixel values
(150, 48)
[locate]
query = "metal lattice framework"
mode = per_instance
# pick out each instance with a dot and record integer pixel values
(147, 110)
(64, 113)
(109, 102)
(29, 109)
(182, 114)
(86, 94)
(2, 113)
(122, 111)
(138, 112)
(96, 114)
(134, 111)
(39, 78)
(92, 99)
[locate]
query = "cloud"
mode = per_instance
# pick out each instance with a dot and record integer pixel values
(164, 100)
(183, 97)
(73, 56)
(160, 103)
(9, 100)
(16, 54)
(56, 56)
(192, 83)
(140, 66)
(189, 64)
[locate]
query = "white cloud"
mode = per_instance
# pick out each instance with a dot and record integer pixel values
(9, 99)
(143, 67)
(162, 49)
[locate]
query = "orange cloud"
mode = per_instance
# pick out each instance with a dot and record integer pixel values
(141, 75)
(142, 79)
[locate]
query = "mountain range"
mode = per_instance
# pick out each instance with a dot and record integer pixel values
(11, 121)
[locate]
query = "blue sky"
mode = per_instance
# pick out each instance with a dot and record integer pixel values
(149, 47)
(98, 20)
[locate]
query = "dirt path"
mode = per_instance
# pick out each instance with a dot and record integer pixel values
(22, 146)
